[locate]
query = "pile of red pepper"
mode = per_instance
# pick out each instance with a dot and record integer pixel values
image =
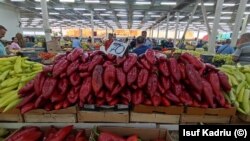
(33, 133)
(152, 79)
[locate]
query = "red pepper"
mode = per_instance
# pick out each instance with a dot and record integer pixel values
(129, 62)
(224, 82)
(210, 67)
(70, 138)
(220, 99)
(49, 133)
(96, 60)
(170, 96)
(174, 70)
(72, 67)
(28, 88)
(100, 102)
(34, 136)
(196, 95)
(63, 85)
(156, 99)
(60, 67)
(23, 132)
(72, 96)
(193, 60)
(182, 68)
(194, 78)
(108, 97)
(137, 97)
(27, 107)
(97, 81)
(186, 99)
(164, 68)
(165, 101)
(62, 75)
(177, 88)
(60, 57)
(84, 58)
(37, 84)
(95, 53)
(139, 65)
(127, 95)
(132, 76)
(75, 54)
(150, 56)
(148, 102)
(62, 133)
(83, 67)
(215, 82)
(120, 60)
(195, 104)
(101, 94)
(121, 77)
(111, 57)
(85, 89)
(110, 77)
(48, 87)
(152, 84)
(142, 78)
(134, 86)
(58, 105)
(47, 69)
(116, 90)
(113, 102)
(66, 103)
(161, 88)
(204, 105)
(26, 99)
(75, 79)
(145, 63)
(84, 74)
(56, 97)
(90, 99)
(48, 107)
(165, 82)
(106, 136)
(208, 93)
(132, 138)
(107, 63)
(39, 102)
(80, 136)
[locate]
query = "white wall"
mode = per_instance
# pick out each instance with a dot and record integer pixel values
(9, 18)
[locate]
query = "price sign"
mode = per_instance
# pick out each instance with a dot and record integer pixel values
(117, 48)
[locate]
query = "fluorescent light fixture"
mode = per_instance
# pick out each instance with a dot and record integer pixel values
(225, 18)
(168, 3)
(247, 13)
(24, 19)
(155, 16)
(66, 20)
(195, 17)
(99, 9)
(53, 13)
(92, 1)
(67, 1)
(179, 16)
(117, 2)
(210, 17)
(17, 0)
(37, 19)
(79, 9)
(207, 4)
(196, 23)
(226, 12)
(59, 8)
(38, 8)
(143, 2)
(228, 4)
(136, 21)
(121, 15)
(120, 9)
(86, 14)
(105, 14)
(138, 15)
(39, 0)
(248, 5)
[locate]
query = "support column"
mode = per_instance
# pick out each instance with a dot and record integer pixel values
(158, 30)
(45, 16)
(238, 21)
(107, 32)
(176, 27)
(167, 22)
(80, 31)
(92, 26)
(204, 14)
(244, 25)
(61, 32)
(198, 33)
(212, 37)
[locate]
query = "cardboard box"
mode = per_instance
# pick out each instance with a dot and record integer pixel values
(40, 115)
(146, 134)
(12, 115)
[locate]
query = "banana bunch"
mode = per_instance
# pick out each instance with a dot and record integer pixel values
(239, 78)
(15, 72)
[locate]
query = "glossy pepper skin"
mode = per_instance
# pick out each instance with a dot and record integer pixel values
(121, 77)
(137, 97)
(165, 101)
(163, 67)
(120, 60)
(177, 88)
(208, 93)
(106, 136)
(129, 62)
(74, 54)
(170, 96)
(72, 67)
(84, 74)
(80, 136)
(62, 133)
(27, 107)
(116, 90)
(156, 99)
(26, 89)
(152, 84)
(75, 79)
(97, 81)
(83, 66)
(73, 96)
(132, 76)
(145, 63)
(193, 60)
(142, 78)
(165, 82)
(194, 79)
(63, 85)
(86, 89)
(215, 82)
(60, 67)
(96, 60)
(150, 56)
(56, 97)
(174, 70)
(26, 99)
(224, 82)
(110, 77)
(23, 133)
(37, 84)
(48, 87)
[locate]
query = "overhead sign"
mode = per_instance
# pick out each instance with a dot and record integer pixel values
(117, 48)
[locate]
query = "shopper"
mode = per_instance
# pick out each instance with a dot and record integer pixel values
(76, 43)
(14, 47)
(148, 42)
(141, 48)
(109, 41)
(199, 44)
(242, 53)
(21, 41)
(2, 34)
(226, 48)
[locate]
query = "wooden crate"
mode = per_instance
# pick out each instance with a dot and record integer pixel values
(245, 118)
(204, 119)
(12, 115)
(63, 115)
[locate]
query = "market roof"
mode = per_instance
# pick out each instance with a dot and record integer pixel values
(126, 14)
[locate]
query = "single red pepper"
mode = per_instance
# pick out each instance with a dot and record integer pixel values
(177, 88)
(113, 102)
(132, 76)
(83, 66)
(120, 60)
(58, 105)
(60, 67)
(127, 95)
(66, 103)
(39, 102)
(111, 57)
(148, 102)
(63, 85)
(84, 74)
(165, 82)
(62, 133)
(48, 87)
(215, 82)
(182, 68)
(34, 136)
(101, 94)
(90, 99)
(110, 77)
(194, 78)
(142, 78)
(28, 88)
(72, 67)
(26, 99)
(156, 99)
(137, 97)
(80, 136)
(98, 59)
(165, 101)
(37, 84)
(150, 56)
(170, 96)
(47, 69)
(145, 63)
(161, 88)
(224, 82)
(193, 60)
(49, 133)
(106, 136)
(86, 89)
(23, 132)
(75, 79)
(129, 62)
(97, 81)
(100, 102)
(163, 67)
(152, 84)
(116, 90)
(75, 54)
(27, 107)
(132, 138)
(220, 99)
(186, 99)
(208, 93)
(108, 97)
(73, 96)
(56, 97)
(174, 70)
(107, 63)
(121, 77)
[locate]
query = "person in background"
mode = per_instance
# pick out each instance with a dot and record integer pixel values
(148, 42)
(226, 48)
(2, 34)
(242, 53)
(76, 43)
(14, 47)
(141, 48)
(114, 37)
(199, 44)
(29, 42)
(21, 41)
(109, 41)
(126, 40)
(169, 44)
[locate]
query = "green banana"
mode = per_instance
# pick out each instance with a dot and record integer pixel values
(12, 104)
(245, 102)
(4, 75)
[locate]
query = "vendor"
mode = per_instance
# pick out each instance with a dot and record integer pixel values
(141, 48)
(14, 47)
(2, 34)
(242, 53)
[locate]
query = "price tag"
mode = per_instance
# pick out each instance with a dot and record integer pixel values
(117, 48)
